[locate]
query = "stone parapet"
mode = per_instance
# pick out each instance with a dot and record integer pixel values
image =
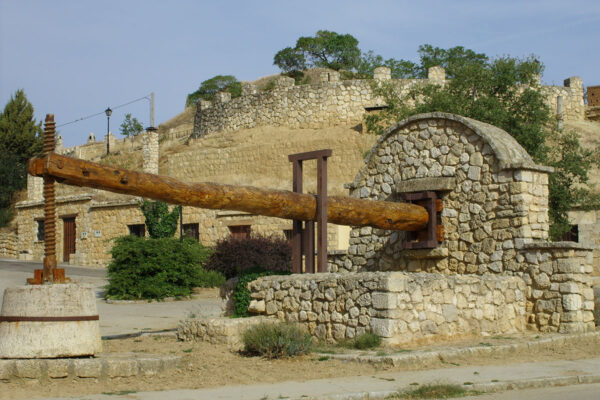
(396, 306)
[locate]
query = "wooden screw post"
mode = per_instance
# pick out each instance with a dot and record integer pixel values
(50, 273)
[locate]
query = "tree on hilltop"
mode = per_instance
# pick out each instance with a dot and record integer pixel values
(503, 92)
(131, 126)
(326, 50)
(210, 87)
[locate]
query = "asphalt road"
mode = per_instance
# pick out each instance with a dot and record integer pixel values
(116, 319)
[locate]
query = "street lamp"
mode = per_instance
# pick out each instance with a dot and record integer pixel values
(108, 112)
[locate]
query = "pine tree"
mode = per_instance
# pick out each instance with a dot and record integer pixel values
(20, 139)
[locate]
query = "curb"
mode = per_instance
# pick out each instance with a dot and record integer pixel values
(426, 357)
(479, 387)
(104, 367)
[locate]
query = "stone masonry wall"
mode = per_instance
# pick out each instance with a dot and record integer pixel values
(333, 102)
(8, 244)
(559, 293)
(399, 307)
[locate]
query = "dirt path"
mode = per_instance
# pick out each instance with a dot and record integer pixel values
(205, 365)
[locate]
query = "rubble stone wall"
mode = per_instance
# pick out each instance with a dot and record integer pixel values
(397, 306)
(333, 102)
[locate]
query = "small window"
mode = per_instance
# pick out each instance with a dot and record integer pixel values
(41, 230)
(192, 231)
(288, 234)
(138, 230)
(240, 231)
(572, 235)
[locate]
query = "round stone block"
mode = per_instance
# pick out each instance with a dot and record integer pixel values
(20, 338)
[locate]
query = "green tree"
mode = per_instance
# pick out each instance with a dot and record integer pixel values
(160, 222)
(210, 87)
(400, 69)
(20, 139)
(503, 92)
(326, 49)
(131, 126)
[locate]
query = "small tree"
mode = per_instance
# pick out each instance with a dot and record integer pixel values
(131, 126)
(160, 222)
(210, 87)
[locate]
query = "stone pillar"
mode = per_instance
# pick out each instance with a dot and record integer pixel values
(248, 88)
(222, 97)
(91, 138)
(577, 107)
(436, 74)
(150, 152)
(35, 188)
(58, 147)
(382, 74)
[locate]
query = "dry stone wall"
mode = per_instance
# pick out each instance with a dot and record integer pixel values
(397, 306)
(333, 102)
(8, 244)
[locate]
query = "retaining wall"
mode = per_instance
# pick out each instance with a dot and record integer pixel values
(397, 306)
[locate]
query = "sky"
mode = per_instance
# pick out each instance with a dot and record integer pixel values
(76, 58)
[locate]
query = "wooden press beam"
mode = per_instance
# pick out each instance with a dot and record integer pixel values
(272, 203)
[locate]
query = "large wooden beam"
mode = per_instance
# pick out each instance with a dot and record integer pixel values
(272, 203)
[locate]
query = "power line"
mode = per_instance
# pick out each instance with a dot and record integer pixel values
(100, 113)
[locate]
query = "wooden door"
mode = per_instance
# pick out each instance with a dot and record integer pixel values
(69, 233)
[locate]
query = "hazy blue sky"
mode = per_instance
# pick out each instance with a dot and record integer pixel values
(75, 58)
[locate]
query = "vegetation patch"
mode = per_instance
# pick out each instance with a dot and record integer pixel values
(434, 391)
(157, 268)
(278, 340)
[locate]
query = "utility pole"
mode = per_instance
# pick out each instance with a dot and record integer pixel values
(152, 109)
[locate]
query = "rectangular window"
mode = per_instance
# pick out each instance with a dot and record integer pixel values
(192, 231)
(41, 230)
(138, 230)
(240, 231)
(572, 235)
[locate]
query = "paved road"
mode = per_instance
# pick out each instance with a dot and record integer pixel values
(116, 319)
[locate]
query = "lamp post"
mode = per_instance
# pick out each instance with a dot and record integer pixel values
(108, 112)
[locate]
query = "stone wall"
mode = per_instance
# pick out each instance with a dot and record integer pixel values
(8, 244)
(559, 293)
(397, 306)
(588, 230)
(333, 102)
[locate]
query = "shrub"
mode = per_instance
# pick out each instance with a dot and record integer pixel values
(366, 341)
(241, 294)
(277, 340)
(233, 256)
(157, 268)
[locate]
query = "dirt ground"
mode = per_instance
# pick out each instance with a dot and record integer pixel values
(206, 365)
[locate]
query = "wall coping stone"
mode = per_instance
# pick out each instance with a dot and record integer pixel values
(555, 245)
(116, 203)
(66, 199)
(529, 167)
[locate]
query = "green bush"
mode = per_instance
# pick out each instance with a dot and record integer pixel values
(157, 268)
(366, 341)
(277, 340)
(241, 294)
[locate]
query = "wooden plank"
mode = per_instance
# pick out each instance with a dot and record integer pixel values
(273, 203)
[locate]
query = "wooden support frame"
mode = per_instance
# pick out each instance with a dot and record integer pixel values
(303, 238)
(433, 234)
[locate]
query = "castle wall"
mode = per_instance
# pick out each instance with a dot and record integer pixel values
(333, 102)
